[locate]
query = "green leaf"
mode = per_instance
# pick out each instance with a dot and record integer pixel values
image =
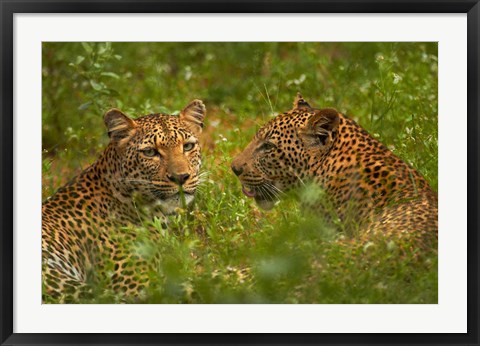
(88, 48)
(95, 85)
(110, 74)
(85, 105)
(105, 47)
(79, 60)
(118, 57)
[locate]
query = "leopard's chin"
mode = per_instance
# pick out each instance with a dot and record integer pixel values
(170, 205)
(265, 204)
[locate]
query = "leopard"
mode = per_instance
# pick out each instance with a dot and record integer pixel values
(149, 169)
(361, 184)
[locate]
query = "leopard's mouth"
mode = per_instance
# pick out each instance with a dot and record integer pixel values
(264, 200)
(169, 204)
(164, 195)
(248, 192)
(179, 195)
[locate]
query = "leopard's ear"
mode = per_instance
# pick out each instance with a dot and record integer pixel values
(320, 128)
(192, 115)
(300, 102)
(120, 127)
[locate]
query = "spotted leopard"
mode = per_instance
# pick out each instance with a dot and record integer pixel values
(149, 168)
(369, 187)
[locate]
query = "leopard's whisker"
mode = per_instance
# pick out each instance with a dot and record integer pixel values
(268, 193)
(275, 188)
(271, 193)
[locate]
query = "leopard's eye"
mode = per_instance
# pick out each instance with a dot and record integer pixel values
(149, 152)
(267, 146)
(188, 146)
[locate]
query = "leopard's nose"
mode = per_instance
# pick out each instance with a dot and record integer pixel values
(237, 170)
(180, 179)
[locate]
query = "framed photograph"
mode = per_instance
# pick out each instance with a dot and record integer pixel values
(257, 172)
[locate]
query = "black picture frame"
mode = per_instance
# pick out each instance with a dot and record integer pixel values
(9, 7)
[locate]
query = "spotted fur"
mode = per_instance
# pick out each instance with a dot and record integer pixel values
(368, 186)
(138, 176)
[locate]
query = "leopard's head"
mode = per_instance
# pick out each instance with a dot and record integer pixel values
(279, 157)
(156, 157)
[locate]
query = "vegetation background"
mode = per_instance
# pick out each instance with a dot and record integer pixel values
(224, 249)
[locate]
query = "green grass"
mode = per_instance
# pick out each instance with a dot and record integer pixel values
(225, 249)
